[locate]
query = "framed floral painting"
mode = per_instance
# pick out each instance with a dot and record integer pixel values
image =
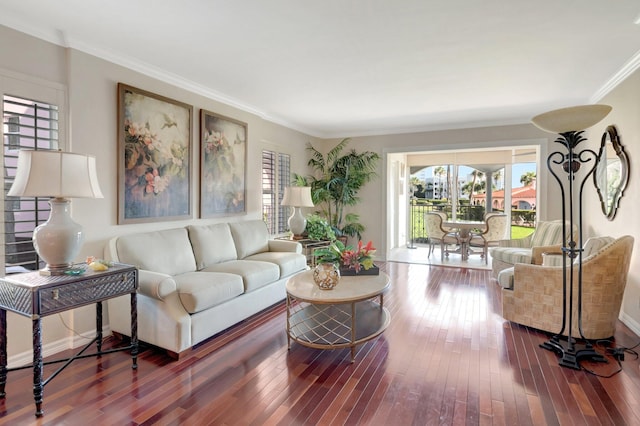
(154, 157)
(223, 151)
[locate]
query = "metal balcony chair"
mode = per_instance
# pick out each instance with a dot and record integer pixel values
(437, 234)
(495, 230)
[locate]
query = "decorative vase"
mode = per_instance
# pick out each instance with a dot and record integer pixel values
(326, 275)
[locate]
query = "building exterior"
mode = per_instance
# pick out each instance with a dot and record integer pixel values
(523, 198)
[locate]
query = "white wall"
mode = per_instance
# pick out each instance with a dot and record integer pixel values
(625, 100)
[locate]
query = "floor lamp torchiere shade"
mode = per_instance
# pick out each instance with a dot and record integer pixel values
(61, 176)
(571, 167)
(297, 197)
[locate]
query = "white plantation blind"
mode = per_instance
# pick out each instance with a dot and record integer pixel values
(276, 172)
(27, 124)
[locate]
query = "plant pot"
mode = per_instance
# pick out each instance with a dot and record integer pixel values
(346, 271)
(326, 275)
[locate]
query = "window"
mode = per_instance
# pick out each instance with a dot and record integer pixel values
(276, 169)
(31, 125)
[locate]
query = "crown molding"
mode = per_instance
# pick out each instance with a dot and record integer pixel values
(627, 69)
(61, 39)
(181, 82)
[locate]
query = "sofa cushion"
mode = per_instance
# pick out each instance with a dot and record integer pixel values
(168, 251)
(289, 263)
(202, 290)
(254, 274)
(511, 255)
(212, 244)
(250, 237)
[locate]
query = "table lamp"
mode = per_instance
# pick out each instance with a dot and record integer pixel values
(297, 196)
(59, 175)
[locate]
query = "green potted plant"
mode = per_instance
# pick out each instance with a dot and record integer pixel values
(335, 184)
(319, 229)
(351, 260)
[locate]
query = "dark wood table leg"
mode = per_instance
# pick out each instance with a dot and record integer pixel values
(134, 329)
(38, 385)
(99, 326)
(3, 351)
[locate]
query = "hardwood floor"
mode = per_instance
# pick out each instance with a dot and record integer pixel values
(447, 358)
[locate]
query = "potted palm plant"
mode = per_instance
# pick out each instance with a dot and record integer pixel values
(335, 184)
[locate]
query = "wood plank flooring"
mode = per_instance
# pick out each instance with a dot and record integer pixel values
(447, 358)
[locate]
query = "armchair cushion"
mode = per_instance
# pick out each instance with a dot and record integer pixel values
(547, 233)
(505, 278)
(547, 236)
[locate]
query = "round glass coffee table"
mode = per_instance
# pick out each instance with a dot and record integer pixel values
(346, 316)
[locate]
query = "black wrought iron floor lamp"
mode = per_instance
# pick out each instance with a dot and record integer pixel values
(571, 169)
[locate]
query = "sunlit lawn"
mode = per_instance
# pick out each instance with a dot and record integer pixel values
(520, 231)
(516, 231)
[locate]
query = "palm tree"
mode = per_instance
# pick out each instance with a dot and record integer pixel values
(416, 185)
(336, 183)
(439, 171)
(476, 175)
(528, 178)
(497, 176)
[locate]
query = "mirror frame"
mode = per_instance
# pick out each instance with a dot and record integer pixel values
(611, 136)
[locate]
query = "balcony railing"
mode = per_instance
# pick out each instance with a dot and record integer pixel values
(418, 207)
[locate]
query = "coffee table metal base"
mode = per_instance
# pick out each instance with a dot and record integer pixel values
(333, 326)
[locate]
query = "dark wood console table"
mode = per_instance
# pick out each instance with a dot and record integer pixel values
(36, 296)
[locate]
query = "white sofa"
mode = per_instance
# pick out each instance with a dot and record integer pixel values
(199, 280)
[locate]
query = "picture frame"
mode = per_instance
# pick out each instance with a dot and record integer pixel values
(223, 159)
(155, 144)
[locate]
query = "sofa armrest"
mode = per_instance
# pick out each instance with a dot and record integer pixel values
(536, 252)
(155, 284)
(285, 245)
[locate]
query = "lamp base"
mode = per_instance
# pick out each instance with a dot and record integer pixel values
(571, 353)
(59, 239)
(297, 223)
(52, 271)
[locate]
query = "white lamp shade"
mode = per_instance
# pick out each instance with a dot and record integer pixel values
(571, 119)
(55, 174)
(297, 196)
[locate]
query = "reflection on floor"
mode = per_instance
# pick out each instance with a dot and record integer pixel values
(419, 255)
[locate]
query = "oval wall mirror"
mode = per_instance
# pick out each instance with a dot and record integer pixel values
(612, 172)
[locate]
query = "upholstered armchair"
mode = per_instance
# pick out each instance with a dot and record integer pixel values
(437, 234)
(494, 232)
(536, 294)
(546, 238)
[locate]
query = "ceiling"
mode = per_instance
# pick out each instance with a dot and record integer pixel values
(336, 68)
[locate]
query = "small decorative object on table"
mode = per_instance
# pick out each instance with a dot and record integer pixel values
(350, 261)
(326, 275)
(98, 264)
(359, 261)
